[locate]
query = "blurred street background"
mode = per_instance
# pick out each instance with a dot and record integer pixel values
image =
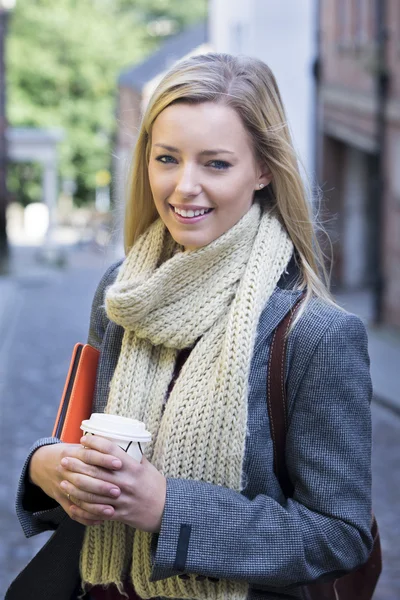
(74, 78)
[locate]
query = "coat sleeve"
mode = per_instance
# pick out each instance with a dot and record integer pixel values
(36, 511)
(325, 528)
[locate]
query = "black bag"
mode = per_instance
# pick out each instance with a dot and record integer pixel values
(53, 573)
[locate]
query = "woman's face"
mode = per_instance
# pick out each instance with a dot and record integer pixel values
(202, 159)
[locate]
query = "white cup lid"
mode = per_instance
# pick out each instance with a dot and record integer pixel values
(119, 428)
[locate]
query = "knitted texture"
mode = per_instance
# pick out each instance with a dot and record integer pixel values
(167, 300)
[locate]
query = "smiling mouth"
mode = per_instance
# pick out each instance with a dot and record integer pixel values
(190, 216)
(190, 213)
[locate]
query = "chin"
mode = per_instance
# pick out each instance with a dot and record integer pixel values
(190, 242)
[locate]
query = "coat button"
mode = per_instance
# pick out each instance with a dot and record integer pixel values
(184, 576)
(201, 577)
(213, 579)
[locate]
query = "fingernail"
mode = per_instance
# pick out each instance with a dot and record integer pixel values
(108, 511)
(64, 462)
(114, 492)
(116, 463)
(83, 439)
(63, 484)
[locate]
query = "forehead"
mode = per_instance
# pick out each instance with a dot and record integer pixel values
(206, 124)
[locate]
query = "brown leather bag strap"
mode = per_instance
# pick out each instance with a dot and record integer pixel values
(276, 397)
(361, 582)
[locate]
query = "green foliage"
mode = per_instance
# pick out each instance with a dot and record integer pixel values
(24, 182)
(63, 60)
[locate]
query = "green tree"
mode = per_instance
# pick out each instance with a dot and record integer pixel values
(63, 63)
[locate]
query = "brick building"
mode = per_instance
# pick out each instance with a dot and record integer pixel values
(358, 83)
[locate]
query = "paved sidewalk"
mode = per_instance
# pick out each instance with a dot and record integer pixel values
(23, 264)
(9, 303)
(384, 349)
(27, 267)
(7, 292)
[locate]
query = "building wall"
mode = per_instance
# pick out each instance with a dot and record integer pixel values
(392, 226)
(282, 34)
(355, 219)
(392, 212)
(349, 117)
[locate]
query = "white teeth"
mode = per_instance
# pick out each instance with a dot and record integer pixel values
(189, 213)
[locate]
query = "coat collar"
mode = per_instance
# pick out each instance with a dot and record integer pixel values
(281, 301)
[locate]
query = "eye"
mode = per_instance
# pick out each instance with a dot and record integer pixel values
(220, 165)
(165, 156)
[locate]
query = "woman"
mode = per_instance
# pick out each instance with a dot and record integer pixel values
(219, 246)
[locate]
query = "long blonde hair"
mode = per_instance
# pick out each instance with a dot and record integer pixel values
(248, 86)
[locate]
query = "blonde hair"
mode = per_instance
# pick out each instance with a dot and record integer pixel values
(248, 86)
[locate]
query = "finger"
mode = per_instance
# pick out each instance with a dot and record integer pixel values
(91, 520)
(83, 483)
(93, 456)
(78, 466)
(91, 512)
(87, 522)
(102, 445)
(77, 496)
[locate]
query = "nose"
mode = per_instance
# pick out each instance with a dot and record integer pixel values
(188, 184)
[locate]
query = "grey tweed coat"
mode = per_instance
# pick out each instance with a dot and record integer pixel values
(257, 535)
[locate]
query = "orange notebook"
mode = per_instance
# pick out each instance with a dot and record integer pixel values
(77, 398)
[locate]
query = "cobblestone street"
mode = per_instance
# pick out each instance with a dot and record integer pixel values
(47, 312)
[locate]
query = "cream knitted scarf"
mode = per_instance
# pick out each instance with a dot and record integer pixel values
(167, 299)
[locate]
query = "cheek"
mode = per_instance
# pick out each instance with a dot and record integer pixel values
(234, 193)
(160, 184)
(152, 179)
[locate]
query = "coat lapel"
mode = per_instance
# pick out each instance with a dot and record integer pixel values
(280, 302)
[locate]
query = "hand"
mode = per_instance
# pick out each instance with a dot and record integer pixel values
(142, 489)
(47, 472)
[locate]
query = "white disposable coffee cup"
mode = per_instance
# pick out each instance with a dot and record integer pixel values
(129, 434)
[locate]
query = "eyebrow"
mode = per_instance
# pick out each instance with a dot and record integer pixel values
(202, 153)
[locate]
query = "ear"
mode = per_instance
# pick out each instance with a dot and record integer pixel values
(264, 177)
